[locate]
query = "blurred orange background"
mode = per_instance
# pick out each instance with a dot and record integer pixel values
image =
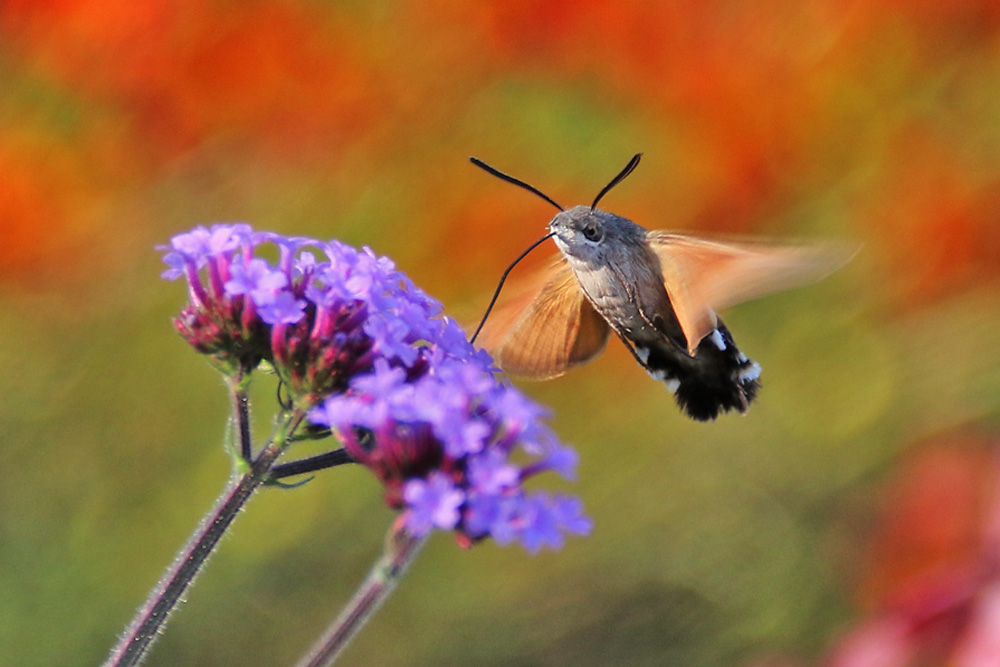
(756, 540)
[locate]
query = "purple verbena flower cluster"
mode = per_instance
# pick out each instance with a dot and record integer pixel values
(224, 326)
(318, 321)
(442, 444)
(357, 342)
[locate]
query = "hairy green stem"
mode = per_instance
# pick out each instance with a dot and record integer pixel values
(240, 413)
(401, 549)
(149, 621)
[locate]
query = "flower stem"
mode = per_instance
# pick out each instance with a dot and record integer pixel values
(148, 623)
(240, 411)
(312, 464)
(401, 549)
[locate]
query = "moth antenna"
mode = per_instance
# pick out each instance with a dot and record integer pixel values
(503, 278)
(510, 179)
(622, 175)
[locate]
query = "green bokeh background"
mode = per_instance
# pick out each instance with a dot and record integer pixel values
(122, 124)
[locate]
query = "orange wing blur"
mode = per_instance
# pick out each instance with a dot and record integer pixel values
(704, 276)
(547, 328)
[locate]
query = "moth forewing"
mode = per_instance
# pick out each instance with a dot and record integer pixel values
(542, 333)
(511, 308)
(703, 276)
(694, 316)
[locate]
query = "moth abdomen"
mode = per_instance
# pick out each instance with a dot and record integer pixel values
(718, 378)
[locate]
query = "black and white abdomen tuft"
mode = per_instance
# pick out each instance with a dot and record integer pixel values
(718, 378)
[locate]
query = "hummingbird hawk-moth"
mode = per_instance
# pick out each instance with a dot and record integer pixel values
(657, 291)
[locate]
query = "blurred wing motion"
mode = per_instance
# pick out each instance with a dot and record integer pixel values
(702, 276)
(543, 332)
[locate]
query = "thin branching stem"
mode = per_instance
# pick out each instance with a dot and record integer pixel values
(151, 618)
(319, 462)
(401, 549)
(240, 411)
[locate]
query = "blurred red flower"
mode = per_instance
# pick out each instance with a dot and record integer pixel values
(933, 585)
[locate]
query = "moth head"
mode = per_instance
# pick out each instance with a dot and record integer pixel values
(580, 230)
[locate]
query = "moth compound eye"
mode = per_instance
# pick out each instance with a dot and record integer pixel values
(593, 232)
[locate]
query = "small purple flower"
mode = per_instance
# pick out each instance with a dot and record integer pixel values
(201, 244)
(557, 458)
(268, 288)
(383, 381)
(491, 473)
(569, 514)
(255, 278)
(215, 323)
(282, 308)
(541, 519)
(433, 503)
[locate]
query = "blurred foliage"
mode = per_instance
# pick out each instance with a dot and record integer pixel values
(122, 123)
